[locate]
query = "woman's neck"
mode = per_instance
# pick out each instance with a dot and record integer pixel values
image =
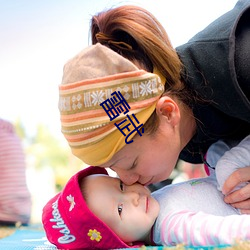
(187, 125)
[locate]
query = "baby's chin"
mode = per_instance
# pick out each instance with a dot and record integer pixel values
(153, 207)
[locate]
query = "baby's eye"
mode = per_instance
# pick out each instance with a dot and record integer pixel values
(120, 206)
(121, 186)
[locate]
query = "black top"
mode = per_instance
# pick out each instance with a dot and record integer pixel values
(217, 67)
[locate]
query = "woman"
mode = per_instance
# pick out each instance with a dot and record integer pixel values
(205, 97)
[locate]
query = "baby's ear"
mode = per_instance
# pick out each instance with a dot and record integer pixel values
(168, 109)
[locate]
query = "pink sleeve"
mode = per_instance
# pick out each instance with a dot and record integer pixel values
(15, 200)
(201, 229)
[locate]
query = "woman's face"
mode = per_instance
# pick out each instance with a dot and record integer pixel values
(148, 159)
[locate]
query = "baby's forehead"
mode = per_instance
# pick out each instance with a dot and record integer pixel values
(91, 182)
(99, 183)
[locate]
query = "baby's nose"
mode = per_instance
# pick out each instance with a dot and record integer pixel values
(133, 197)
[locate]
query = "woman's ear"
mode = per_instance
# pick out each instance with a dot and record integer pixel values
(168, 109)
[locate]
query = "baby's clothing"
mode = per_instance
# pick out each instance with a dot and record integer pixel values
(194, 212)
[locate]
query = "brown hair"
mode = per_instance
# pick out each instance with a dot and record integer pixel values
(136, 34)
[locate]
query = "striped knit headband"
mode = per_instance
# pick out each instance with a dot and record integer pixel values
(94, 78)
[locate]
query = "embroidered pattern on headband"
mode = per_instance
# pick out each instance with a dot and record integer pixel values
(79, 103)
(82, 97)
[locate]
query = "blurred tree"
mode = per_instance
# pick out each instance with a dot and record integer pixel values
(45, 150)
(20, 130)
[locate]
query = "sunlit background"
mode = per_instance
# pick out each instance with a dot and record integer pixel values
(36, 39)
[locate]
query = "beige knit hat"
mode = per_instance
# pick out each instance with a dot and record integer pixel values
(90, 79)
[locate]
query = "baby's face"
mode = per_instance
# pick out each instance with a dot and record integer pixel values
(130, 211)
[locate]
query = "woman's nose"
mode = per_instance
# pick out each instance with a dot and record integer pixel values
(126, 177)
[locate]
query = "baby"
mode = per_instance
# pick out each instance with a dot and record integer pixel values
(96, 211)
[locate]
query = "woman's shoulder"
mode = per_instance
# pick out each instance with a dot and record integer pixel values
(209, 65)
